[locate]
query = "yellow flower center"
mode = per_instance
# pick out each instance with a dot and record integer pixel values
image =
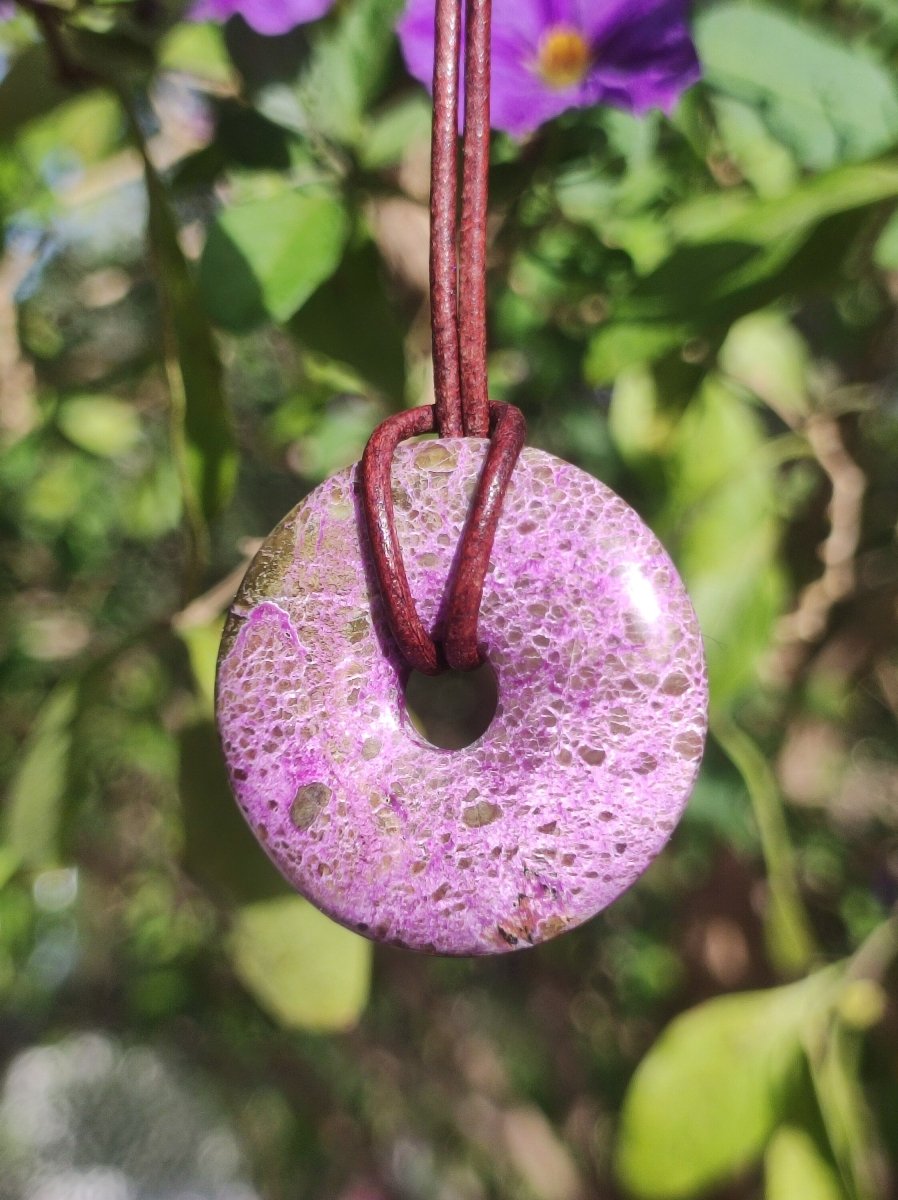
(564, 57)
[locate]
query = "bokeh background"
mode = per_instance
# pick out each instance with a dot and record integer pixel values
(212, 287)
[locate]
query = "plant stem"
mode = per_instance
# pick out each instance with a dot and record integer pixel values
(790, 940)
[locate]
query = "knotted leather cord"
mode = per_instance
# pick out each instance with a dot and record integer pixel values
(458, 317)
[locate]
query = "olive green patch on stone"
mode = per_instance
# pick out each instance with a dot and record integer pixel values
(592, 755)
(266, 573)
(308, 803)
(436, 458)
(233, 625)
(675, 684)
(358, 628)
(480, 814)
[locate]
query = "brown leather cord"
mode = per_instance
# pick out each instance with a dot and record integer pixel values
(416, 644)
(475, 195)
(443, 219)
(508, 429)
(462, 404)
(460, 649)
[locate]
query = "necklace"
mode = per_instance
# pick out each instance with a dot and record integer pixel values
(402, 563)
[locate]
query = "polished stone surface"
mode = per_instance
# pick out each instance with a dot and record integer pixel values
(585, 768)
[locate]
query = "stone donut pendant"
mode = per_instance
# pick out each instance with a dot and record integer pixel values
(588, 762)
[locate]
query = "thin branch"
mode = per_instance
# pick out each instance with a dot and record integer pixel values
(808, 622)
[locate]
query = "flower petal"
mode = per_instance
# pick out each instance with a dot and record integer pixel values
(644, 55)
(269, 17)
(520, 101)
(416, 37)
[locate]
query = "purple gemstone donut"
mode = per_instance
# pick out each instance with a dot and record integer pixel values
(581, 776)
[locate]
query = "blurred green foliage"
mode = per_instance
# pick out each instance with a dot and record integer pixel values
(212, 288)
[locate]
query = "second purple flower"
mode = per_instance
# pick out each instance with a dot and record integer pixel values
(552, 55)
(270, 17)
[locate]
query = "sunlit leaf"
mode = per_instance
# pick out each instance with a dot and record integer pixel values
(264, 258)
(830, 103)
(202, 642)
(795, 1166)
(708, 1095)
(349, 67)
(722, 511)
(306, 971)
(390, 133)
(741, 217)
(886, 250)
(88, 124)
(34, 808)
(735, 254)
(639, 427)
(768, 355)
(762, 160)
(834, 1052)
(103, 425)
(197, 48)
(619, 345)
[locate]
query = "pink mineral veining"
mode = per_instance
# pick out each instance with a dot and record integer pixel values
(581, 776)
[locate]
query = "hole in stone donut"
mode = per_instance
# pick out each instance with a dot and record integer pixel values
(453, 709)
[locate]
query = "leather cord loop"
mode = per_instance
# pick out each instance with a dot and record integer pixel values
(460, 649)
(458, 319)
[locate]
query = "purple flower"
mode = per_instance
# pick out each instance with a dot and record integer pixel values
(270, 17)
(551, 55)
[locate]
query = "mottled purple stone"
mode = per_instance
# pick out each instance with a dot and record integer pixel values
(580, 778)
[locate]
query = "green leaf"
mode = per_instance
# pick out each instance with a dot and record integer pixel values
(767, 165)
(201, 431)
(350, 64)
(351, 320)
(766, 354)
(389, 133)
(722, 509)
(220, 852)
(795, 1166)
(88, 124)
(102, 425)
(306, 971)
(828, 102)
(263, 259)
(620, 345)
(34, 808)
(708, 1095)
(201, 426)
(114, 55)
(193, 368)
(790, 940)
(834, 1051)
(198, 49)
(885, 253)
(30, 88)
(741, 218)
(202, 643)
(636, 420)
(735, 255)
